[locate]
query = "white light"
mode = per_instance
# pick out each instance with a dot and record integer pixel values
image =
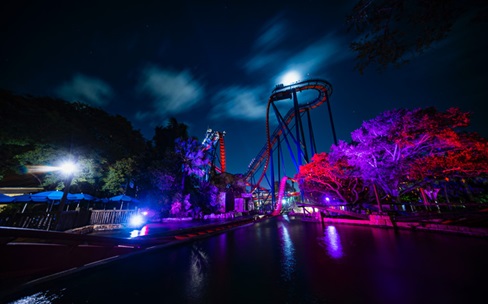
(290, 77)
(136, 220)
(68, 168)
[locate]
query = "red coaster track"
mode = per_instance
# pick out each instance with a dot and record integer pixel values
(281, 92)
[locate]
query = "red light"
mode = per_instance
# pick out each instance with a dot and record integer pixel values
(144, 230)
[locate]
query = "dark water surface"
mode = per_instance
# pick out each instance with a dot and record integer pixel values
(286, 260)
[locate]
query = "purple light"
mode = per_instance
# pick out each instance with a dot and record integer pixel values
(333, 242)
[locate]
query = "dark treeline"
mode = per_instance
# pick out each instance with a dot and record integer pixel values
(113, 157)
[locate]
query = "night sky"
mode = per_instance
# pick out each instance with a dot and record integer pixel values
(213, 64)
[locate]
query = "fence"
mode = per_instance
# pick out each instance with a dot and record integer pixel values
(28, 220)
(67, 220)
(102, 217)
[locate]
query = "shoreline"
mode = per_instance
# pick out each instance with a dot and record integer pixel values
(392, 222)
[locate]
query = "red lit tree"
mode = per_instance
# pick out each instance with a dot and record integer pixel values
(466, 160)
(388, 148)
(334, 178)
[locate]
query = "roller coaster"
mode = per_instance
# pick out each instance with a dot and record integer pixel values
(211, 144)
(291, 131)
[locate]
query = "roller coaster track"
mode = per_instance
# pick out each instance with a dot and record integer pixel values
(211, 141)
(281, 92)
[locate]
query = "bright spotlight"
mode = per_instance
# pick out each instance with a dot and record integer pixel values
(68, 168)
(290, 77)
(136, 220)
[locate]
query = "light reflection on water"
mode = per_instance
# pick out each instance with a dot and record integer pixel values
(288, 250)
(142, 232)
(286, 260)
(199, 264)
(43, 297)
(332, 242)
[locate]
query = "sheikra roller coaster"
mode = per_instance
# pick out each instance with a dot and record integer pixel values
(212, 144)
(291, 133)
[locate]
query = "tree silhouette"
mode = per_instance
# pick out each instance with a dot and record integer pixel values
(391, 32)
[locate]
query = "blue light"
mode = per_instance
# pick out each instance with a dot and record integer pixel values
(137, 220)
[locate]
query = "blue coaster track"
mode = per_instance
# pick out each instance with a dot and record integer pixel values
(290, 131)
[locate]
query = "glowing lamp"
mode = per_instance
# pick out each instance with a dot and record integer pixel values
(68, 168)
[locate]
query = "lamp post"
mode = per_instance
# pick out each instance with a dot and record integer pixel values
(68, 170)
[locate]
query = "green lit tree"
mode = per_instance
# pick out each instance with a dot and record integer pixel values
(120, 176)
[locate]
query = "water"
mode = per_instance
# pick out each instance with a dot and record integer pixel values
(285, 260)
(157, 228)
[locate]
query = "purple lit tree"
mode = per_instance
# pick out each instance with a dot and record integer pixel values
(193, 161)
(192, 157)
(390, 148)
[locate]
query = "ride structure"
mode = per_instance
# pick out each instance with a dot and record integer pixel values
(292, 137)
(213, 145)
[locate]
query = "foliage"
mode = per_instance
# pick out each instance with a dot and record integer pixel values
(119, 176)
(41, 130)
(159, 168)
(332, 178)
(192, 158)
(466, 157)
(400, 151)
(113, 158)
(234, 183)
(391, 32)
(204, 199)
(180, 206)
(164, 138)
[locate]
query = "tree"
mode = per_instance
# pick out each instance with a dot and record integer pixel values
(181, 205)
(192, 158)
(57, 128)
(332, 178)
(388, 148)
(164, 138)
(226, 182)
(464, 163)
(120, 176)
(204, 199)
(391, 32)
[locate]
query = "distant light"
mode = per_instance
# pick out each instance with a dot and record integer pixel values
(290, 77)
